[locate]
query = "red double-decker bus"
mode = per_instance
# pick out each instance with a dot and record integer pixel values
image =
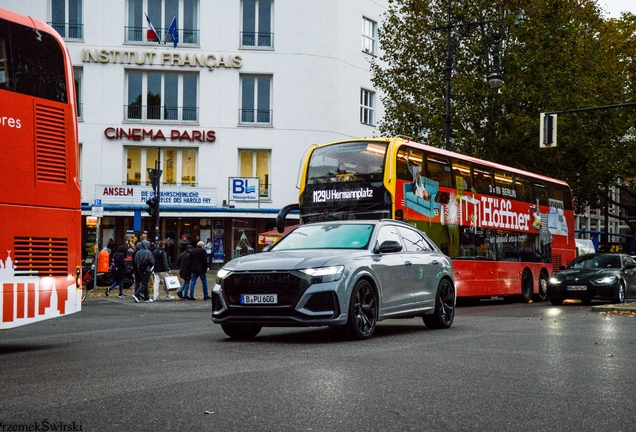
(40, 218)
(505, 229)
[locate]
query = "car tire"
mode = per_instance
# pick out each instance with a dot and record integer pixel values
(241, 332)
(363, 311)
(543, 288)
(444, 313)
(526, 287)
(556, 301)
(619, 297)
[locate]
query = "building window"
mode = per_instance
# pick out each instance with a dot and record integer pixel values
(179, 165)
(66, 19)
(161, 13)
(164, 97)
(255, 163)
(257, 24)
(369, 36)
(256, 99)
(367, 104)
(77, 72)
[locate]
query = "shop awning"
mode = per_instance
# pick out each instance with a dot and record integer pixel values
(272, 236)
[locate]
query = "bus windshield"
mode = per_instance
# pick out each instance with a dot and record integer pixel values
(353, 161)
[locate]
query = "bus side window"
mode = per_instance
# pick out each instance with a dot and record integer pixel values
(540, 192)
(503, 184)
(524, 189)
(461, 176)
(402, 166)
(439, 170)
(482, 178)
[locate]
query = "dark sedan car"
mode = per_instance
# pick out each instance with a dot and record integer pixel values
(347, 275)
(607, 276)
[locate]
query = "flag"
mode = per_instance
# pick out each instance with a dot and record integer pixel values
(172, 32)
(151, 33)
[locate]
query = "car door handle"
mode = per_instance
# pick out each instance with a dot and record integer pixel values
(435, 262)
(407, 263)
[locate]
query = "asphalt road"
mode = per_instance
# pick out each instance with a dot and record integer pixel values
(122, 366)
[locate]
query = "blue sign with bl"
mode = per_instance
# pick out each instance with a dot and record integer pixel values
(244, 189)
(97, 203)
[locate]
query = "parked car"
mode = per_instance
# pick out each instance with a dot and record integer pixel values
(348, 275)
(608, 276)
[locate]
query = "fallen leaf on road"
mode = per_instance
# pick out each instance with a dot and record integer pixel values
(209, 412)
(610, 355)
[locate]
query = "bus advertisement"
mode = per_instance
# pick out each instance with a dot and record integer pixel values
(40, 217)
(505, 229)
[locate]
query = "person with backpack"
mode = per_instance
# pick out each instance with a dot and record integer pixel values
(185, 271)
(119, 270)
(145, 263)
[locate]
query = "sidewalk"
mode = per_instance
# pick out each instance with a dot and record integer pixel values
(100, 293)
(629, 308)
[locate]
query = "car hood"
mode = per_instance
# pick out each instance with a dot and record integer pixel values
(587, 273)
(291, 260)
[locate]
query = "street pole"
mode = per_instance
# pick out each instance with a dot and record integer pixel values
(158, 194)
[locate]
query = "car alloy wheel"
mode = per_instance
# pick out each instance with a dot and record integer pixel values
(620, 293)
(363, 310)
(444, 312)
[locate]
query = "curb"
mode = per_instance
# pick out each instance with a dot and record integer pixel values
(618, 307)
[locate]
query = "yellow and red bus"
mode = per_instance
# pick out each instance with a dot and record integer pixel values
(505, 229)
(40, 216)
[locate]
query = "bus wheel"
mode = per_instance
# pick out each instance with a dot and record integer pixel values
(543, 288)
(526, 287)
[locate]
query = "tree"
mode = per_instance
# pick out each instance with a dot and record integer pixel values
(556, 55)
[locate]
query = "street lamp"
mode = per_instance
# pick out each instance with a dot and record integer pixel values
(495, 79)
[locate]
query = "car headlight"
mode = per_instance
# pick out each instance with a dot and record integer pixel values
(606, 280)
(324, 274)
(220, 275)
(555, 281)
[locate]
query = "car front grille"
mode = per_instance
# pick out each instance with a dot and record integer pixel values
(285, 285)
(577, 294)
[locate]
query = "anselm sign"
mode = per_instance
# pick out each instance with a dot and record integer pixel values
(139, 134)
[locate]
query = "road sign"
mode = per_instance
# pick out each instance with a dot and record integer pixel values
(97, 211)
(97, 203)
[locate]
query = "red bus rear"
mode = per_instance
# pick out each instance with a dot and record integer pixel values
(40, 218)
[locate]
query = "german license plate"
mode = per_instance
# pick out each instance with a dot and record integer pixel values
(259, 298)
(576, 288)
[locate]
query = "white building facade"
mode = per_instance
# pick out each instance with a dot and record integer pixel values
(222, 95)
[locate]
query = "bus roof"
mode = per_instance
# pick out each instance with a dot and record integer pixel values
(436, 150)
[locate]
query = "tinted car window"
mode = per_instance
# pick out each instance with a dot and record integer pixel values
(388, 232)
(413, 241)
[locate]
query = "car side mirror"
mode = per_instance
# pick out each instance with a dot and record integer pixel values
(389, 246)
(630, 266)
(266, 248)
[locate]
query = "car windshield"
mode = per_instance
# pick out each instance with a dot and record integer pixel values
(327, 236)
(596, 261)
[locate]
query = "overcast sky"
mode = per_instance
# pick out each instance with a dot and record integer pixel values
(615, 7)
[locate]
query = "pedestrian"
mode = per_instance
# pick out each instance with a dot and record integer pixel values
(199, 269)
(119, 262)
(208, 250)
(161, 270)
(145, 263)
(185, 271)
(170, 250)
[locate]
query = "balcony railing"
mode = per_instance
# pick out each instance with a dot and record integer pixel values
(184, 183)
(150, 113)
(69, 31)
(139, 35)
(257, 40)
(255, 117)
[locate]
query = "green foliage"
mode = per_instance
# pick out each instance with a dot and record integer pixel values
(556, 55)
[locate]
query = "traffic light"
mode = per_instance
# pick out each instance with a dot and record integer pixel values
(548, 130)
(153, 206)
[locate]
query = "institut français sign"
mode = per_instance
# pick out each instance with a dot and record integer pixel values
(165, 58)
